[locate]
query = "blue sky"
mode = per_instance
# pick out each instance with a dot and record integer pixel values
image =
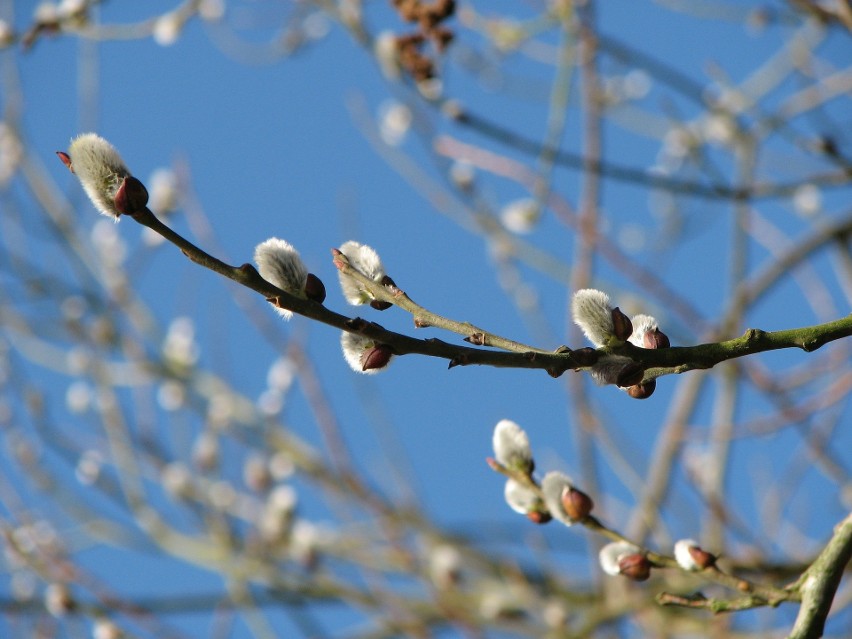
(278, 149)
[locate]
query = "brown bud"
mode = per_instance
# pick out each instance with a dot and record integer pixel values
(702, 558)
(635, 567)
(380, 305)
(376, 357)
(314, 288)
(539, 517)
(622, 325)
(409, 10)
(446, 7)
(656, 339)
(630, 375)
(577, 504)
(132, 197)
(442, 38)
(428, 19)
(477, 338)
(643, 390)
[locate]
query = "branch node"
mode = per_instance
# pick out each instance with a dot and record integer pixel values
(754, 335)
(477, 339)
(458, 360)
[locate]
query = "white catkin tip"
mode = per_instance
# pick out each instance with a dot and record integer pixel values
(365, 260)
(445, 563)
(554, 485)
(683, 556)
(512, 446)
(386, 51)
(167, 29)
(591, 311)
(280, 264)
(105, 629)
(521, 216)
(58, 599)
(100, 169)
(641, 324)
(611, 554)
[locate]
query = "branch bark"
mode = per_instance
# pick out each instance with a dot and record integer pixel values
(656, 362)
(819, 583)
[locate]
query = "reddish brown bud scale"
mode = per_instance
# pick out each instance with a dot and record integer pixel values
(66, 160)
(643, 390)
(376, 357)
(623, 327)
(132, 197)
(656, 339)
(314, 288)
(539, 517)
(630, 375)
(577, 504)
(702, 558)
(380, 305)
(635, 567)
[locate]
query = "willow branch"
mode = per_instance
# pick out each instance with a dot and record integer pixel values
(756, 594)
(246, 275)
(425, 318)
(655, 362)
(819, 583)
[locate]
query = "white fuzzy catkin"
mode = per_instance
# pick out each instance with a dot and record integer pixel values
(512, 446)
(520, 498)
(355, 348)
(553, 486)
(610, 556)
(642, 324)
(592, 312)
(280, 264)
(683, 555)
(100, 169)
(365, 260)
